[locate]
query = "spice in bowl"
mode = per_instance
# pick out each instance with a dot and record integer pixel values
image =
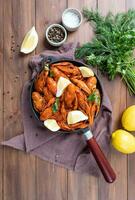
(71, 19)
(56, 34)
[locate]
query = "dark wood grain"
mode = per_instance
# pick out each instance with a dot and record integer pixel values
(19, 168)
(81, 186)
(51, 180)
(117, 93)
(22, 176)
(130, 4)
(1, 98)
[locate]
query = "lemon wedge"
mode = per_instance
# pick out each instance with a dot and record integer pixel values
(128, 118)
(123, 141)
(86, 72)
(76, 116)
(51, 124)
(30, 41)
(61, 85)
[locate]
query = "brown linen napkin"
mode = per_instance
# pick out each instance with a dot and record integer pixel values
(67, 150)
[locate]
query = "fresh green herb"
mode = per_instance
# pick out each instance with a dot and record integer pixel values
(51, 74)
(46, 67)
(55, 106)
(112, 48)
(94, 98)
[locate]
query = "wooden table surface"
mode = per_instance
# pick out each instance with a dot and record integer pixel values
(23, 176)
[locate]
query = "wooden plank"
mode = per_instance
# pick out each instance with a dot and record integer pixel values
(82, 186)
(51, 180)
(47, 13)
(115, 6)
(19, 168)
(1, 98)
(117, 93)
(84, 33)
(130, 4)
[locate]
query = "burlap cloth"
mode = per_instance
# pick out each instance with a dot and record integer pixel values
(67, 150)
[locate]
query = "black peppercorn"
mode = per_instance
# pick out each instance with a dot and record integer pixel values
(56, 34)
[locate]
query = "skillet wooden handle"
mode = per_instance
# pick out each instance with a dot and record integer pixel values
(101, 160)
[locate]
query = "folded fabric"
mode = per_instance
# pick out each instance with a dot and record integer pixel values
(67, 150)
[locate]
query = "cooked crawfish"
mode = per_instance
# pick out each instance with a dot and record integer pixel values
(76, 96)
(50, 102)
(63, 111)
(67, 68)
(91, 82)
(47, 94)
(94, 106)
(51, 85)
(41, 81)
(70, 96)
(38, 101)
(56, 73)
(82, 102)
(81, 84)
(46, 114)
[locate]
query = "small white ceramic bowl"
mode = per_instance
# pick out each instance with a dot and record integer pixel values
(69, 24)
(56, 43)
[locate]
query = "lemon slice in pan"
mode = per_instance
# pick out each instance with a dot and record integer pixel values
(61, 85)
(86, 72)
(30, 41)
(51, 124)
(76, 116)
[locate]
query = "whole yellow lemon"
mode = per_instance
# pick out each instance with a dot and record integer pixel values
(123, 141)
(128, 118)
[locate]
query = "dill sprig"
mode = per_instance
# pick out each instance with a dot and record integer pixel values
(111, 50)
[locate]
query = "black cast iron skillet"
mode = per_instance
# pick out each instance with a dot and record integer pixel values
(100, 158)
